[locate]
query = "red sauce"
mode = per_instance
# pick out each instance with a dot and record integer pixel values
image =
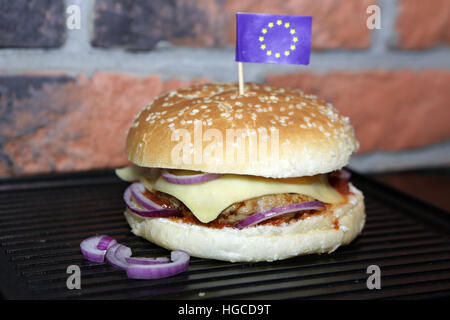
(336, 223)
(194, 220)
(341, 185)
(158, 200)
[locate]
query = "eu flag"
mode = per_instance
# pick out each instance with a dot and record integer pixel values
(267, 38)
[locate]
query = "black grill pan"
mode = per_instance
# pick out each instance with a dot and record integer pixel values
(43, 219)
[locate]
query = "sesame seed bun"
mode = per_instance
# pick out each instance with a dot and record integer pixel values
(321, 233)
(304, 136)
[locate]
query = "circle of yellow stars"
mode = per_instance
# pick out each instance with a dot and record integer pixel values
(270, 51)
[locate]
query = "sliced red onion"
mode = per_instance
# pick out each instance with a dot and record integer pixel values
(153, 213)
(95, 248)
(142, 260)
(342, 174)
(189, 179)
(106, 242)
(180, 262)
(274, 212)
(120, 257)
(117, 254)
(137, 191)
(345, 174)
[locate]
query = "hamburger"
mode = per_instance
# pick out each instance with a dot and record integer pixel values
(252, 177)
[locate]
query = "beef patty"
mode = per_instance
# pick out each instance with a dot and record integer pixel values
(239, 210)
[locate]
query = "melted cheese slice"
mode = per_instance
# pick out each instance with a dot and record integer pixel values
(208, 199)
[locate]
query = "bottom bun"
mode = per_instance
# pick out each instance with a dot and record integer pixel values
(315, 234)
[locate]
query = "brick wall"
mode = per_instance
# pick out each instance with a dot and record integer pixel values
(68, 96)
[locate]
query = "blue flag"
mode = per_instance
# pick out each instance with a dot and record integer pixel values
(267, 38)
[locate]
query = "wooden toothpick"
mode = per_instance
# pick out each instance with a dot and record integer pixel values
(241, 78)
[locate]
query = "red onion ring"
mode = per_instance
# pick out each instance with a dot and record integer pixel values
(180, 262)
(137, 191)
(153, 213)
(142, 260)
(116, 255)
(277, 211)
(94, 248)
(106, 242)
(189, 179)
(120, 257)
(344, 174)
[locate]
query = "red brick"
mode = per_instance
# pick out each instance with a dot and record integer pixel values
(140, 25)
(423, 24)
(75, 125)
(32, 24)
(390, 110)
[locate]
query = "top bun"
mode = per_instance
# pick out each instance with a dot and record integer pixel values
(267, 131)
